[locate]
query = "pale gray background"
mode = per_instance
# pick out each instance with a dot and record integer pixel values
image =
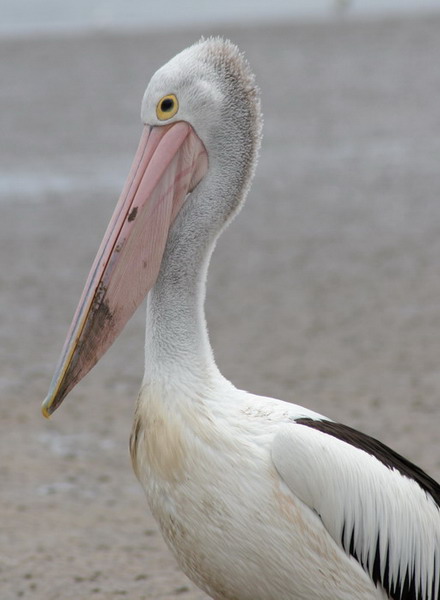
(325, 291)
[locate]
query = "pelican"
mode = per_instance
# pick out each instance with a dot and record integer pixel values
(258, 499)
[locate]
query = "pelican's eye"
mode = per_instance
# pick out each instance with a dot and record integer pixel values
(167, 107)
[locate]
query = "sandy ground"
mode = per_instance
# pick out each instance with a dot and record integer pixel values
(325, 291)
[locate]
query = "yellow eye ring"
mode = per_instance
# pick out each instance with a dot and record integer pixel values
(167, 107)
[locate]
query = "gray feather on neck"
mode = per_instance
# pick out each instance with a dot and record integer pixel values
(215, 69)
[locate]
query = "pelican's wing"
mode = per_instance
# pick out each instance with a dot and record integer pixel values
(377, 506)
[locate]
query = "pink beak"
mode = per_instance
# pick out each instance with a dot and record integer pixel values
(170, 161)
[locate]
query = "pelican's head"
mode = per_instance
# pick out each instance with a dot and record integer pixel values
(209, 86)
(198, 149)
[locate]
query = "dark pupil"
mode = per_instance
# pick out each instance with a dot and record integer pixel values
(167, 104)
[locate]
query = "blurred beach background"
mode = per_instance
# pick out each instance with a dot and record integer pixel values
(52, 16)
(324, 292)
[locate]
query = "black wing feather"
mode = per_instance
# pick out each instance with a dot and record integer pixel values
(406, 588)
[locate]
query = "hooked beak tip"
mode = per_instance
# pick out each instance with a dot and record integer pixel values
(47, 407)
(44, 410)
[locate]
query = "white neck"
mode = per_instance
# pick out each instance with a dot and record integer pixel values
(177, 343)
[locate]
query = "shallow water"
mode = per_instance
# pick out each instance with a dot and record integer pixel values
(51, 15)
